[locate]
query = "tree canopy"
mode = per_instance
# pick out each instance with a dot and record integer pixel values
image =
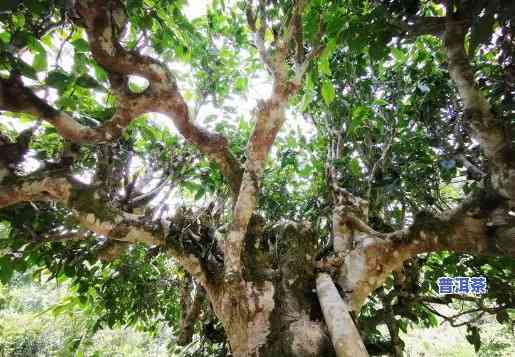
(219, 165)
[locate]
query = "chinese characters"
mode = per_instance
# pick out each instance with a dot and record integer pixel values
(462, 285)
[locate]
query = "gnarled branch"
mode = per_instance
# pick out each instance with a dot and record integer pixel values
(101, 218)
(481, 225)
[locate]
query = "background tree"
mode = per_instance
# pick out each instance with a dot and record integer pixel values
(162, 197)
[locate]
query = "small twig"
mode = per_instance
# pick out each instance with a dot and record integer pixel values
(59, 53)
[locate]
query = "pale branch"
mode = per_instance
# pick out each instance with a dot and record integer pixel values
(259, 36)
(453, 320)
(270, 118)
(301, 68)
(493, 135)
(190, 314)
(346, 339)
(47, 189)
(294, 27)
(349, 216)
(16, 97)
(144, 198)
(111, 249)
(275, 59)
(470, 166)
(68, 236)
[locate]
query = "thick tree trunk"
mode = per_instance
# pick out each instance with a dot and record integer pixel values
(273, 320)
(274, 310)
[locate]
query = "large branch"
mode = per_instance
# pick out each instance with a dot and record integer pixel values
(104, 21)
(270, 116)
(494, 136)
(481, 225)
(16, 97)
(102, 218)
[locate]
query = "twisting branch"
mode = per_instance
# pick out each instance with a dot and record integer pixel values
(104, 23)
(481, 225)
(102, 218)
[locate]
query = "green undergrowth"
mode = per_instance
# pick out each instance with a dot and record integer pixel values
(29, 327)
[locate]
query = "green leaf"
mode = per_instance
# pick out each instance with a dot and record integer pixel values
(200, 193)
(6, 269)
(100, 73)
(5, 37)
(87, 81)
(328, 92)
(355, 168)
(40, 62)
(80, 45)
(324, 66)
(57, 79)
(399, 55)
(241, 84)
